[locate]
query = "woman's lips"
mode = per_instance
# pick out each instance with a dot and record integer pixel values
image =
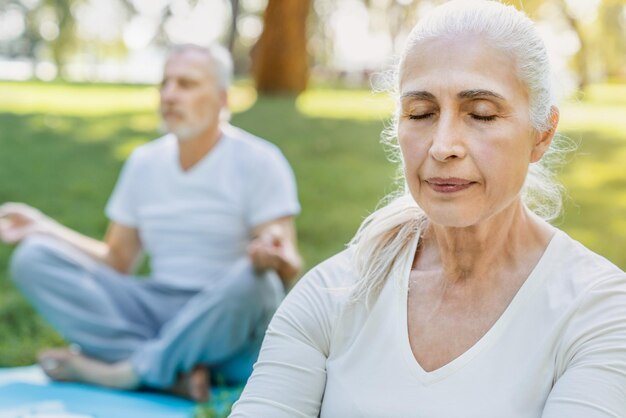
(449, 185)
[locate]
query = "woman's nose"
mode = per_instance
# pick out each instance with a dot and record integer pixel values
(448, 141)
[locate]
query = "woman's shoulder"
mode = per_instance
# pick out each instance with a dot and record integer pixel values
(311, 308)
(589, 293)
(581, 267)
(333, 278)
(584, 287)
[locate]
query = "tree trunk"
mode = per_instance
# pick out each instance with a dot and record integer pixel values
(66, 38)
(280, 58)
(582, 54)
(232, 33)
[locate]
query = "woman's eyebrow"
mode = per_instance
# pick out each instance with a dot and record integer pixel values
(420, 94)
(465, 94)
(478, 93)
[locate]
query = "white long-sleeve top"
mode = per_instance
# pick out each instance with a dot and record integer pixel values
(557, 351)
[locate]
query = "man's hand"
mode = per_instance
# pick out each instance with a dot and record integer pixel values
(273, 248)
(267, 251)
(18, 221)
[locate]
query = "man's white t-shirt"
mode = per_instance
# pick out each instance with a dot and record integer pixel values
(195, 224)
(558, 350)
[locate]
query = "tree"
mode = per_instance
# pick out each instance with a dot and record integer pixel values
(232, 33)
(280, 61)
(612, 26)
(57, 13)
(581, 58)
(66, 37)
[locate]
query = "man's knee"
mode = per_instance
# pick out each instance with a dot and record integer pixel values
(30, 258)
(247, 285)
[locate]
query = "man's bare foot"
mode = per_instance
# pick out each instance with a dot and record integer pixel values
(193, 385)
(68, 365)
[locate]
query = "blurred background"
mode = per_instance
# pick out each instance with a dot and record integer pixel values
(77, 95)
(339, 40)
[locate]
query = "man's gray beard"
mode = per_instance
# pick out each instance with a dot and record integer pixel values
(182, 134)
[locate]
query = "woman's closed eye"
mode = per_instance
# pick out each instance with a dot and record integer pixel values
(484, 118)
(419, 116)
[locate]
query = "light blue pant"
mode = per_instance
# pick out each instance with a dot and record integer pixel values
(161, 330)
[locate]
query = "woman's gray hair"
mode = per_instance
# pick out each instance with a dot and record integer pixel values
(222, 62)
(385, 236)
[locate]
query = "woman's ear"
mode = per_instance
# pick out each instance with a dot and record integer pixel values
(544, 139)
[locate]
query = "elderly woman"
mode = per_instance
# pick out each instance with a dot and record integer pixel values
(457, 299)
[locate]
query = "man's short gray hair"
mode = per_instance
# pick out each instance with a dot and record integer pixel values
(222, 62)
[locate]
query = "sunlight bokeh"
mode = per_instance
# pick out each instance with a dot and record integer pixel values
(93, 100)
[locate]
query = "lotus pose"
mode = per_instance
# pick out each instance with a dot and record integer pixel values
(213, 206)
(458, 298)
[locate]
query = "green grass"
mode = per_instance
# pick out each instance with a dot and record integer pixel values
(595, 177)
(61, 148)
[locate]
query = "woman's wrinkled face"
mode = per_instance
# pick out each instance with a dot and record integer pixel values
(464, 130)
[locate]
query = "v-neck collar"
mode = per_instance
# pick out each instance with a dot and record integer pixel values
(530, 285)
(204, 161)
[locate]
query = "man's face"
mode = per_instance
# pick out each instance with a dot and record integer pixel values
(191, 100)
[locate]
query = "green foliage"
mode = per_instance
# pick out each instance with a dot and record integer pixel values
(61, 148)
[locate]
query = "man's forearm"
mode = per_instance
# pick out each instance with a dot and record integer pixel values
(94, 248)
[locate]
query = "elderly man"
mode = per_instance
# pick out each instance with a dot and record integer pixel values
(212, 206)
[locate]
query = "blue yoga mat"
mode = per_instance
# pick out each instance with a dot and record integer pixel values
(27, 392)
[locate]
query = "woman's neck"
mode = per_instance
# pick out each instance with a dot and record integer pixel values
(508, 240)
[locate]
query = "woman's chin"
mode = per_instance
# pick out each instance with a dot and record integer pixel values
(451, 216)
